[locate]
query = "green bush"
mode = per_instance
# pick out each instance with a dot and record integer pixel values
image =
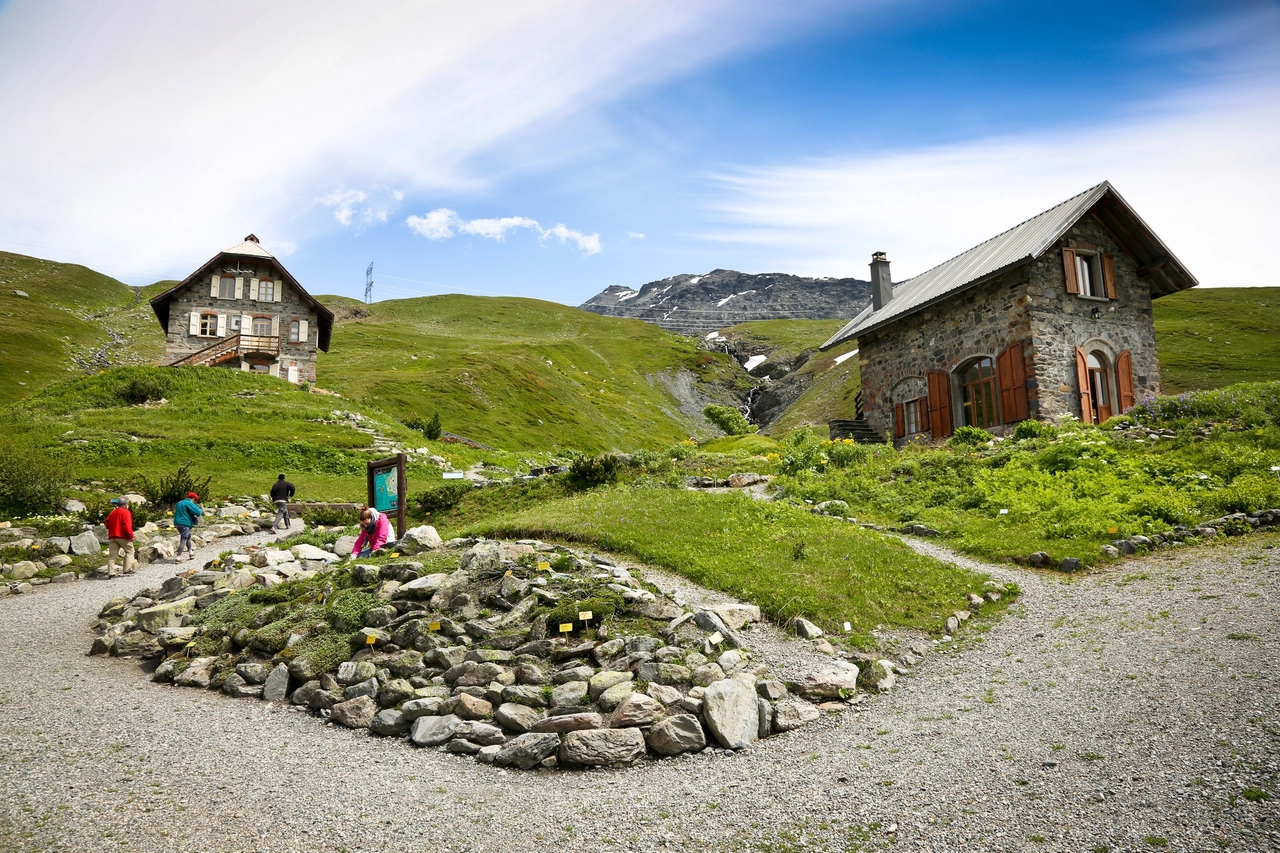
(324, 516)
(31, 480)
(588, 471)
(171, 488)
(98, 507)
(1248, 493)
(970, 436)
(847, 453)
(142, 388)
(431, 428)
(441, 498)
(1029, 429)
(732, 421)
(803, 450)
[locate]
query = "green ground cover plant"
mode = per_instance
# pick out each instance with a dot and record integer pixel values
(749, 549)
(1066, 489)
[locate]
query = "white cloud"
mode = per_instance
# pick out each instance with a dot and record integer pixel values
(154, 130)
(366, 208)
(443, 223)
(1201, 171)
(634, 235)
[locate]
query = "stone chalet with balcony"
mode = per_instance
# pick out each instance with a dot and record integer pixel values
(1049, 319)
(243, 310)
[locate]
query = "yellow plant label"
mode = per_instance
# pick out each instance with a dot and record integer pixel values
(434, 626)
(544, 567)
(371, 639)
(566, 627)
(715, 639)
(1113, 529)
(507, 573)
(395, 554)
(584, 615)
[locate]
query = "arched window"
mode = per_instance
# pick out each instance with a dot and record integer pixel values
(978, 392)
(1099, 385)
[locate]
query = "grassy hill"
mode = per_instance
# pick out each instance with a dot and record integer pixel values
(1212, 337)
(522, 373)
(66, 322)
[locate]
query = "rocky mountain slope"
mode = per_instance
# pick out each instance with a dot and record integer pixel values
(699, 304)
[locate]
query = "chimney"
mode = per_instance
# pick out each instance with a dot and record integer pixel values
(251, 239)
(881, 285)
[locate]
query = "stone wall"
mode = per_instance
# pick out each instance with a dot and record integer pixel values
(1028, 304)
(981, 321)
(196, 297)
(1062, 321)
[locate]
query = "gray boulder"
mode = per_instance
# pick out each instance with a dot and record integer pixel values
(674, 735)
(597, 747)
(729, 709)
(24, 569)
(838, 681)
(569, 723)
(84, 544)
(420, 539)
(792, 714)
(527, 750)
(357, 713)
(482, 557)
(344, 545)
(516, 717)
(137, 644)
(276, 687)
(197, 674)
(422, 707)
(166, 615)
(433, 731)
(481, 734)
(636, 709)
(806, 630)
(389, 723)
(570, 693)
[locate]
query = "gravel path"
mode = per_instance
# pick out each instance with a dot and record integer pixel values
(1126, 710)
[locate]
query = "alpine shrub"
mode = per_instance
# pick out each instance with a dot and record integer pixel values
(441, 498)
(970, 436)
(1034, 429)
(732, 421)
(31, 480)
(142, 388)
(171, 488)
(588, 471)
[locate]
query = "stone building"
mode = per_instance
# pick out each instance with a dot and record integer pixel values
(1050, 318)
(243, 310)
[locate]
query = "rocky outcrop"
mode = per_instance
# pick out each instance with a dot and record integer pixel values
(699, 304)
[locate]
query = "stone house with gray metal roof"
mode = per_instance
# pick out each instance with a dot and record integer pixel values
(1050, 318)
(243, 310)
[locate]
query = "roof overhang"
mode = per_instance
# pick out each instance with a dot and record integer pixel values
(324, 317)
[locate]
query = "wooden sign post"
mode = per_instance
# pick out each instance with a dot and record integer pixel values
(388, 490)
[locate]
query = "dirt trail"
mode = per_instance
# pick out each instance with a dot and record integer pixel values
(1130, 709)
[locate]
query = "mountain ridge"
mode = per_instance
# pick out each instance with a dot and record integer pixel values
(696, 305)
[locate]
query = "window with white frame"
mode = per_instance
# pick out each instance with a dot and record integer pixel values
(208, 325)
(912, 411)
(227, 287)
(262, 327)
(295, 330)
(266, 290)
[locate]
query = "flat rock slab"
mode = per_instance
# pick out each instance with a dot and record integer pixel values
(599, 747)
(730, 711)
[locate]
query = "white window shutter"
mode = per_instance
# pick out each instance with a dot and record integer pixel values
(244, 365)
(253, 289)
(274, 370)
(279, 289)
(303, 331)
(246, 324)
(213, 291)
(195, 323)
(222, 325)
(239, 287)
(275, 327)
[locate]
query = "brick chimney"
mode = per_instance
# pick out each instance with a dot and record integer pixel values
(881, 285)
(251, 239)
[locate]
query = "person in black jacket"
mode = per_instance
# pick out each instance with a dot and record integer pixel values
(281, 492)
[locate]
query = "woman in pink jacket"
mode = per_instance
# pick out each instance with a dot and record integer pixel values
(375, 530)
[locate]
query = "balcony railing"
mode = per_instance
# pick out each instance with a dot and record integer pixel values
(228, 348)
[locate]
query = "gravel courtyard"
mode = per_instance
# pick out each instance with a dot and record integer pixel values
(1131, 709)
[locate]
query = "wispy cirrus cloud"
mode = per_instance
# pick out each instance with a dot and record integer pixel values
(443, 223)
(1200, 169)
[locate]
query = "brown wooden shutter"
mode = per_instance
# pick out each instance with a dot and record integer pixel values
(1109, 275)
(1011, 371)
(1086, 396)
(939, 403)
(1069, 270)
(1124, 380)
(899, 425)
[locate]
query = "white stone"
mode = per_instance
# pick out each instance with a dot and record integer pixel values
(731, 714)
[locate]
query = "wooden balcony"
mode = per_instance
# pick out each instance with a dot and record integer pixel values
(229, 348)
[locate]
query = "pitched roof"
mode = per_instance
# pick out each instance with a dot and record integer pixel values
(1023, 243)
(248, 248)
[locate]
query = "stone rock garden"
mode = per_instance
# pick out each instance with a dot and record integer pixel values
(521, 654)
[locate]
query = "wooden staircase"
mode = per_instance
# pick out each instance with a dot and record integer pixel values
(858, 429)
(229, 348)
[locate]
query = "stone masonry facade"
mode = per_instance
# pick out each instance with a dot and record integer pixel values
(179, 341)
(1029, 304)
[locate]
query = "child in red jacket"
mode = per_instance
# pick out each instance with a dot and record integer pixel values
(119, 524)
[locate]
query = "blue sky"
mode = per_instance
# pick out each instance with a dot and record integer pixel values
(549, 149)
